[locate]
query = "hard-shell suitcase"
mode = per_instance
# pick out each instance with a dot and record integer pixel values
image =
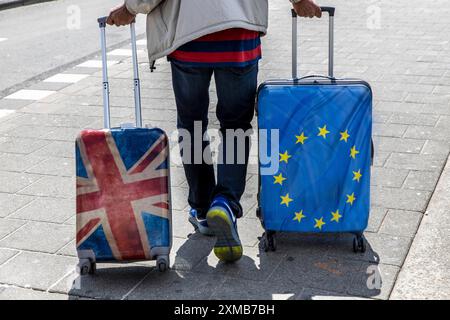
(123, 209)
(323, 129)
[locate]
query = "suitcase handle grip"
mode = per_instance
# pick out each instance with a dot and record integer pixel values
(331, 11)
(136, 80)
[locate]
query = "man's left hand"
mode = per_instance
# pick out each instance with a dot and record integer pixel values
(120, 16)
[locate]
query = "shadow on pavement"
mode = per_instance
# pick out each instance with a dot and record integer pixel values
(303, 267)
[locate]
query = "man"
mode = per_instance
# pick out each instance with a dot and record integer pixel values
(202, 38)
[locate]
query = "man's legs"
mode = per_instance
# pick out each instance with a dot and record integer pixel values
(191, 88)
(236, 92)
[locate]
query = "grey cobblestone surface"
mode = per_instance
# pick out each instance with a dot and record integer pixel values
(407, 65)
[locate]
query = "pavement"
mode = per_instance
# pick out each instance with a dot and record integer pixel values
(34, 47)
(408, 236)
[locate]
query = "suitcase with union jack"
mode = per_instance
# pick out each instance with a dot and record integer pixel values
(123, 209)
(321, 181)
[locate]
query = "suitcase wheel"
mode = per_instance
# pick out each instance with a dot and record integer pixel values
(359, 244)
(162, 262)
(269, 242)
(85, 266)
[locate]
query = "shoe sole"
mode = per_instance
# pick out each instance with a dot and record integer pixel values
(228, 246)
(204, 231)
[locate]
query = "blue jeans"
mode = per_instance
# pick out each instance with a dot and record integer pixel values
(236, 92)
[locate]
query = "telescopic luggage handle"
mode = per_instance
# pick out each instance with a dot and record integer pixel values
(137, 82)
(330, 11)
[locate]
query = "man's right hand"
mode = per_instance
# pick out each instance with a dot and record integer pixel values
(307, 8)
(120, 16)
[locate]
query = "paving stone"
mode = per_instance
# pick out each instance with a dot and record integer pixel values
(380, 158)
(69, 249)
(389, 130)
(15, 293)
(255, 264)
(52, 186)
(61, 133)
(388, 144)
(28, 131)
(249, 231)
(418, 162)
(12, 202)
(327, 273)
(14, 181)
(6, 254)
(21, 145)
(111, 281)
(55, 120)
(374, 281)
(35, 270)
(177, 285)
(57, 149)
(187, 253)
(388, 177)
(256, 290)
(414, 119)
(18, 162)
(381, 248)
(425, 272)
(47, 210)
(422, 180)
(8, 226)
(401, 223)
(180, 224)
(39, 236)
(396, 198)
(428, 133)
(179, 198)
(376, 218)
(13, 104)
(318, 294)
(55, 166)
(436, 147)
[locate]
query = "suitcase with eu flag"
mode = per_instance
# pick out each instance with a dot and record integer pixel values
(321, 128)
(123, 209)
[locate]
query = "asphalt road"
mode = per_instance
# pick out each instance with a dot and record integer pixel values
(41, 39)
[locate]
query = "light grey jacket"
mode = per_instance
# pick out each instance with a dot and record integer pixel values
(172, 23)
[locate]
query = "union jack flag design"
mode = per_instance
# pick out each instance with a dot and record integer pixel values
(122, 193)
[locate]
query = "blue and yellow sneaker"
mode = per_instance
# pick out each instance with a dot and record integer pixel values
(199, 224)
(222, 222)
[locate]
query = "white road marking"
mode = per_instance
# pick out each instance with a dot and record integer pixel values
(30, 95)
(96, 64)
(5, 112)
(3, 39)
(142, 42)
(66, 78)
(123, 52)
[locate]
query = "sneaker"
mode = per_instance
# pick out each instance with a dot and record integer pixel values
(199, 224)
(222, 222)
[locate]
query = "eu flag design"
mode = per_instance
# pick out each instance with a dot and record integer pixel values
(122, 193)
(323, 182)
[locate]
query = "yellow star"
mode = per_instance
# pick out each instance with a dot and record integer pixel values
(285, 200)
(285, 157)
(301, 138)
(299, 216)
(336, 216)
(319, 223)
(323, 132)
(357, 175)
(351, 198)
(279, 179)
(353, 152)
(345, 136)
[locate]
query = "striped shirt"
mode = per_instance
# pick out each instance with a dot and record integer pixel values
(229, 48)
